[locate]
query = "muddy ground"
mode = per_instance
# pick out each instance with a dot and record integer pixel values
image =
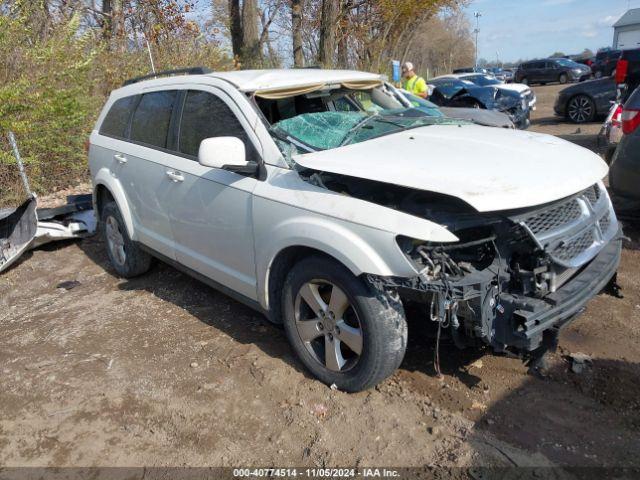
(164, 371)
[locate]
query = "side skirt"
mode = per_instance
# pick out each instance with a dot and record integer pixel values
(208, 281)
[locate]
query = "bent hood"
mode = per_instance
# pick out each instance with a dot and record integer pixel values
(489, 168)
(515, 87)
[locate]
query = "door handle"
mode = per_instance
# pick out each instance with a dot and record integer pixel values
(175, 176)
(120, 158)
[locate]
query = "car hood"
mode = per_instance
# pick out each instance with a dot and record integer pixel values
(516, 87)
(489, 168)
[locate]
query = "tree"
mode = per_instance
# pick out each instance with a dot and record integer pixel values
(251, 53)
(328, 31)
(296, 32)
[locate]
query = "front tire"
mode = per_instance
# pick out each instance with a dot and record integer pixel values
(563, 78)
(344, 330)
(127, 259)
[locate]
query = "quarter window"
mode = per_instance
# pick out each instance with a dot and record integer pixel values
(204, 116)
(117, 119)
(151, 120)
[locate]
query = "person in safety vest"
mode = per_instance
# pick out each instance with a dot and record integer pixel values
(412, 82)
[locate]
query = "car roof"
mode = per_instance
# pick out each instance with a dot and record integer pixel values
(266, 80)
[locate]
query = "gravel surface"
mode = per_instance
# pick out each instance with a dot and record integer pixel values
(164, 371)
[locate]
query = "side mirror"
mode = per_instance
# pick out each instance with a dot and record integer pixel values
(222, 152)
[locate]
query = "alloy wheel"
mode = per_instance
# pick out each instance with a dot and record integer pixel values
(580, 109)
(115, 240)
(328, 325)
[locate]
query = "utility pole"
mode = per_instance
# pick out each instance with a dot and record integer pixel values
(477, 31)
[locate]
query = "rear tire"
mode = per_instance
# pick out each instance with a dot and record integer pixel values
(125, 256)
(524, 81)
(563, 78)
(598, 74)
(581, 109)
(346, 331)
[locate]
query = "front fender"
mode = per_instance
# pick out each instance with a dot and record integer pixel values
(379, 254)
(105, 178)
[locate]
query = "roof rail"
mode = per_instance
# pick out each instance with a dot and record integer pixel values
(165, 73)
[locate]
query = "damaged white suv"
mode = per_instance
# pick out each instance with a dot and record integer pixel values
(320, 199)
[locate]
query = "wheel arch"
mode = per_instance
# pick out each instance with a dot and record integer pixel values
(105, 189)
(345, 248)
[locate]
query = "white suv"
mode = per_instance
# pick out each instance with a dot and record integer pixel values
(317, 198)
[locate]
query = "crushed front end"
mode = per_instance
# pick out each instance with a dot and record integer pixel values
(516, 277)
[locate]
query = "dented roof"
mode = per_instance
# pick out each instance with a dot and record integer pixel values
(277, 79)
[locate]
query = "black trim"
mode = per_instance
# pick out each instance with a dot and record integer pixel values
(127, 131)
(254, 304)
(166, 73)
(173, 134)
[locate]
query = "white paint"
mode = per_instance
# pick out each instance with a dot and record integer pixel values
(489, 168)
(629, 39)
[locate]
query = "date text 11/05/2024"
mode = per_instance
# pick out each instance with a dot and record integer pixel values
(315, 472)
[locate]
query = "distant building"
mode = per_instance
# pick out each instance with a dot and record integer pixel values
(626, 31)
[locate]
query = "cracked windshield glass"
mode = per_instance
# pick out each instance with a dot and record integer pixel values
(353, 117)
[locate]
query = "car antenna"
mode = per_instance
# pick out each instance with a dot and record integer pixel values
(153, 67)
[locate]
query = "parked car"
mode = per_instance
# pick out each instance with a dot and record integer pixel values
(628, 73)
(453, 92)
(551, 70)
(488, 118)
(624, 175)
(611, 132)
(276, 189)
(500, 74)
(470, 70)
(605, 63)
(485, 80)
(583, 102)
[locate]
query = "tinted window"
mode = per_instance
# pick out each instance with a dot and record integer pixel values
(117, 119)
(151, 120)
(205, 116)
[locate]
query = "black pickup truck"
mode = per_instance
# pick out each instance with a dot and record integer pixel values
(628, 73)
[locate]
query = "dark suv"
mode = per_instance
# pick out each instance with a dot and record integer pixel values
(550, 70)
(605, 63)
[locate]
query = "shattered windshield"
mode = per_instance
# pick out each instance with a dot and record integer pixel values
(327, 130)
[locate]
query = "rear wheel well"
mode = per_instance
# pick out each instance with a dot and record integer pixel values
(280, 267)
(103, 196)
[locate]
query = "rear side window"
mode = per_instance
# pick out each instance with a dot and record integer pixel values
(152, 117)
(204, 116)
(117, 119)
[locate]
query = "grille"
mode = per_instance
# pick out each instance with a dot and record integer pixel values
(605, 222)
(554, 217)
(569, 250)
(569, 229)
(592, 194)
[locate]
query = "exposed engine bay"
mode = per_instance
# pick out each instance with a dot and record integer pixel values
(505, 280)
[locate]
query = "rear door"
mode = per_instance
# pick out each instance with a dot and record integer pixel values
(535, 71)
(131, 144)
(549, 71)
(142, 169)
(211, 209)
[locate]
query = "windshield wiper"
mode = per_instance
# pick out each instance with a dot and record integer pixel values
(362, 124)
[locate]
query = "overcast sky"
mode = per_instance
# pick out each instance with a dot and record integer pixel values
(524, 29)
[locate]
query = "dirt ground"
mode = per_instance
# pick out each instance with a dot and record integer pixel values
(164, 371)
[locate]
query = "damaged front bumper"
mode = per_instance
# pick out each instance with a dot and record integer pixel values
(483, 313)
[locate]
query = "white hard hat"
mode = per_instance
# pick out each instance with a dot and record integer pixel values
(408, 66)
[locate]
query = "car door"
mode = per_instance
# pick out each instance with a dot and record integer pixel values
(552, 71)
(138, 164)
(211, 208)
